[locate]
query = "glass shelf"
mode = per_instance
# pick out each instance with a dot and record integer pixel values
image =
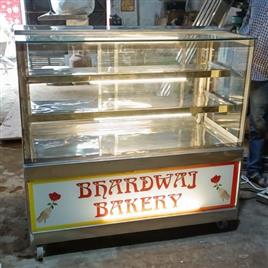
(88, 102)
(136, 74)
(112, 139)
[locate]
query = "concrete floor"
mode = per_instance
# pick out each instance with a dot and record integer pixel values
(189, 247)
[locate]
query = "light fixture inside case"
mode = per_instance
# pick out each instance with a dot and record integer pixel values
(139, 81)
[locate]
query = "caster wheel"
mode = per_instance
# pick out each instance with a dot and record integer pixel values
(40, 253)
(222, 225)
(227, 225)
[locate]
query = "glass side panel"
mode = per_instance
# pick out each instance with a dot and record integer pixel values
(109, 138)
(230, 88)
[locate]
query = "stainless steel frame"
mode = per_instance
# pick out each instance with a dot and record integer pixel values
(69, 169)
(133, 226)
(22, 57)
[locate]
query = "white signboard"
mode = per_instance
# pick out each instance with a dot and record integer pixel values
(110, 198)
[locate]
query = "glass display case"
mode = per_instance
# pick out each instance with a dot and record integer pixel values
(101, 108)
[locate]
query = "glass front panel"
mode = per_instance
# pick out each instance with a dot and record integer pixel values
(108, 138)
(101, 99)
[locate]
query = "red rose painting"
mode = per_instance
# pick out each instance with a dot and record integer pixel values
(222, 192)
(215, 179)
(45, 213)
(54, 196)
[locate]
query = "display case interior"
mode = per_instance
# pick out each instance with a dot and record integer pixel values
(121, 94)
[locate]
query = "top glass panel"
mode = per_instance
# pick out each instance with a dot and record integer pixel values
(37, 34)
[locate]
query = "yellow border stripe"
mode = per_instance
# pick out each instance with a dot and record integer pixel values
(31, 205)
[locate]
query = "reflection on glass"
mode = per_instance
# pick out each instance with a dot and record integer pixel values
(131, 137)
(135, 93)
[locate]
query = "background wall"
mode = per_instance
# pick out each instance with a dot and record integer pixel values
(35, 8)
(128, 18)
(147, 10)
(144, 14)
